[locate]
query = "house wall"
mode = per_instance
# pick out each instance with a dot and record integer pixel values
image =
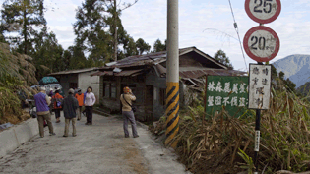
(188, 60)
(86, 80)
(65, 81)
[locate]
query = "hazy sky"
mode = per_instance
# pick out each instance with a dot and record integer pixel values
(201, 24)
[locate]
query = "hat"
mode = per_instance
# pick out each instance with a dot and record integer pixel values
(126, 89)
(42, 88)
(71, 90)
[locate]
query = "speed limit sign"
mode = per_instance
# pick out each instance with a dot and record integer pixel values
(263, 11)
(261, 44)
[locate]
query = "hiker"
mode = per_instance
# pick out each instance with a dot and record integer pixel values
(127, 98)
(89, 102)
(70, 105)
(80, 97)
(42, 101)
(57, 100)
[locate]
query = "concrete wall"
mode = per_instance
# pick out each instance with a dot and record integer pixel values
(85, 80)
(65, 81)
(17, 135)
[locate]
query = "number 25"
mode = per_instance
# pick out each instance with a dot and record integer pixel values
(267, 3)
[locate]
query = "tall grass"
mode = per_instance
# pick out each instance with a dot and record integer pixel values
(222, 143)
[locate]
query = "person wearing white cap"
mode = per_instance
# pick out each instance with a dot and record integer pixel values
(42, 102)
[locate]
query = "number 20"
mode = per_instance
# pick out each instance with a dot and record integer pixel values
(266, 3)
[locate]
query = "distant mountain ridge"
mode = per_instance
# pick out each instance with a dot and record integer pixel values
(295, 67)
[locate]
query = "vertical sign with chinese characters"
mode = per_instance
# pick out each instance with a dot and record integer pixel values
(259, 86)
(228, 91)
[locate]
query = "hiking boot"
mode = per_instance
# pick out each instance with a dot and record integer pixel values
(136, 136)
(74, 135)
(126, 136)
(52, 134)
(64, 136)
(78, 119)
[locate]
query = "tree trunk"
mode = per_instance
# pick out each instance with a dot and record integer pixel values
(25, 32)
(115, 31)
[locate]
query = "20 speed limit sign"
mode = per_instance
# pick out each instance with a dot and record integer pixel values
(261, 44)
(263, 11)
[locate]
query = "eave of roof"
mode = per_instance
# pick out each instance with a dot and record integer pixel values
(73, 71)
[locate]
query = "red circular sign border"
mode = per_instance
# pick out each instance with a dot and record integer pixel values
(248, 51)
(260, 21)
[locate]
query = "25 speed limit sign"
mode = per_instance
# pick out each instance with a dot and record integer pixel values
(261, 44)
(263, 11)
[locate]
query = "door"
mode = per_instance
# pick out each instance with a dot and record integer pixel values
(149, 104)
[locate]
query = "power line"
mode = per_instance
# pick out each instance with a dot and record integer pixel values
(237, 31)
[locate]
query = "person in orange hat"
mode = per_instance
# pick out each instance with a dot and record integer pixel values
(80, 97)
(127, 98)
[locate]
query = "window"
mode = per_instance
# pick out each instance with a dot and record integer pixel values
(113, 90)
(106, 90)
(162, 96)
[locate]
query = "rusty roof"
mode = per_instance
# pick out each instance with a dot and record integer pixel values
(122, 73)
(102, 73)
(154, 58)
(195, 74)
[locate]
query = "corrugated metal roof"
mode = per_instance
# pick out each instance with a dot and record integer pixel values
(195, 74)
(128, 72)
(102, 73)
(73, 71)
(153, 58)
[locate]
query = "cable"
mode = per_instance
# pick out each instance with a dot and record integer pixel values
(236, 29)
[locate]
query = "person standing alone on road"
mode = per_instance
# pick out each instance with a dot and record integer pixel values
(127, 112)
(89, 102)
(70, 105)
(80, 97)
(42, 102)
(57, 100)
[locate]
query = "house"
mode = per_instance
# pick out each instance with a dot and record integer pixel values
(78, 79)
(146, 76)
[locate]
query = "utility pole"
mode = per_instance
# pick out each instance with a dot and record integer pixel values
(172, 64)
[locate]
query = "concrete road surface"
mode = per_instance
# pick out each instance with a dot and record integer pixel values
(100, 148)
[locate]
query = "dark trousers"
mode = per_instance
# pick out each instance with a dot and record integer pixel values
(89, 113)
(57, 113)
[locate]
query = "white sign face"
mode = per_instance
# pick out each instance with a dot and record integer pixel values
(259, 86)
(261, 44)
(263, 11)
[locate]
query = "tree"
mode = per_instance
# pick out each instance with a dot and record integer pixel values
(115, 9)
(158, 46)
(23, 16)
(220, 56)
(47, 54)
(91, 36)
(142, 46)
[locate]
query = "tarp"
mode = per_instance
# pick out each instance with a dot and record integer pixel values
(48, 80)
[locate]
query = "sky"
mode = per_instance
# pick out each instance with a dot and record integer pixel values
(205, 24)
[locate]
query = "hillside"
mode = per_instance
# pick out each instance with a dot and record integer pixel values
(295, 67)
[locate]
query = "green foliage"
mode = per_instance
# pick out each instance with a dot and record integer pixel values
(142, 46)
(158, 46)
(23, 16)
(220, 56)
(249, 162)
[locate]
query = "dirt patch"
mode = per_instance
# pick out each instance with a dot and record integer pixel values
(135, 159)
(14, 119)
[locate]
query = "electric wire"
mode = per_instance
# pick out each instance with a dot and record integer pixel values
(237, 31)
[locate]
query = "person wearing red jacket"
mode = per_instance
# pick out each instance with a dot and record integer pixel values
(57, 100)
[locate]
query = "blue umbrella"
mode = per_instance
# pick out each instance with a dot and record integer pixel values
(48, 80)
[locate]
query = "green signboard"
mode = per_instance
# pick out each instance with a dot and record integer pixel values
(229, 92)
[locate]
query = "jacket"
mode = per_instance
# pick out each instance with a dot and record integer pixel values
(55, 98)
(70, 105)
(90, 99)
(129, 98)
(80, 98)
(42, 101)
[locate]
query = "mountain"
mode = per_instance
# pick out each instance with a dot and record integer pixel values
(295, 67)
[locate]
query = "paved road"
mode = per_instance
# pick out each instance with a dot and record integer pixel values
(100, 148)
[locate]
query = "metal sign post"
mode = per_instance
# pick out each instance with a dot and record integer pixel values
(259, 98)
(262, 45)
